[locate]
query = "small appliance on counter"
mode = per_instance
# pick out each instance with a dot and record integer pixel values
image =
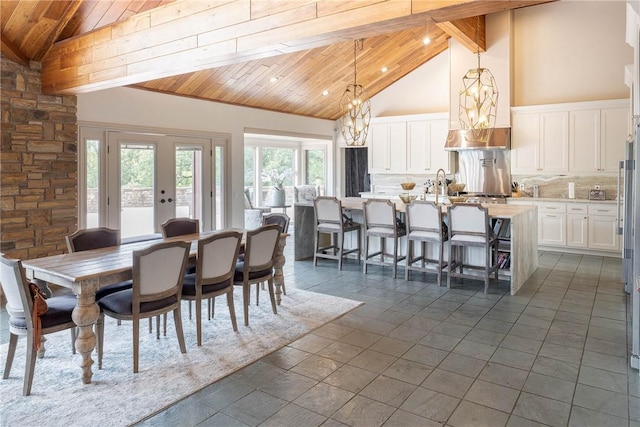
(597, 195)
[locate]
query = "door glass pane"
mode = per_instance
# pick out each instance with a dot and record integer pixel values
(137, 192)
(92, 179)
(217, 188)
(188, 182)
(314, 167)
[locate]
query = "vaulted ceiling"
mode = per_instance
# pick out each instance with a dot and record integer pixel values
(278, 55)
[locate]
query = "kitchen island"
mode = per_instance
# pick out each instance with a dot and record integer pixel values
(522, 243)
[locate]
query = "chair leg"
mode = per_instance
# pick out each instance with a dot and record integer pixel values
(257, 293)
(13, 343)
(211, 308)
(395, 256)
(136, 342)
(150, 324)
(245, 301)
(177, 319)
(440, 256)
(30, 366)
(451, 249)
(272, 296)
(366, 253)
(487, 267)
(409, 258)
(340, 249)
(199, 321)
(359, 252)
(189, 310)
(158, 327)
(315, 249)
(232, 310)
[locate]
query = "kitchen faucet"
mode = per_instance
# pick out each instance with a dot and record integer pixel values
(442, 183)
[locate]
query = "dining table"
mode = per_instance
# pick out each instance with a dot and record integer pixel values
(87, 271)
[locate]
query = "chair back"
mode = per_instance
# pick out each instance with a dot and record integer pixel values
(327, 210)
(217, 257)
(158, 271)
(93, 238)
(380, 213)
(261, 247)
(180, 226)
(423, 216)
(305, 193)
(280, 219)
(16, 290)
(468, 218)
(248, 204)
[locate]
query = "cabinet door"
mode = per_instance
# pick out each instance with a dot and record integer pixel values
(584, 141)
(551, 229)
(418, 146)
(438, 131)
(614, 130)
(577, 230)
(378, 148)
(525, 143)
(554, 141)
(397, 151)
(603, 233)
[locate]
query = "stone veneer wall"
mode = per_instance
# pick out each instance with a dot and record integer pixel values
(38, 165)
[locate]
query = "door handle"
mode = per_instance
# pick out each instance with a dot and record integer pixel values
(162, 200)
(170, 200)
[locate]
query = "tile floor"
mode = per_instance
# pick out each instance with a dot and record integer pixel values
(418, 355)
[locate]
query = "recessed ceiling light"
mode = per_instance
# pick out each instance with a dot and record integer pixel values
(426, 40)
(384, 69)
(325, 92)
(273, 79)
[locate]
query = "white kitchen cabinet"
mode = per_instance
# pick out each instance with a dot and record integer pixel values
(388, 147)
(603, 228)
(552, 224)
(597, 136)
(577, 225)
(540, 142)
(425, 146)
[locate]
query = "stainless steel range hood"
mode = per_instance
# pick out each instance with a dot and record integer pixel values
(498, 139)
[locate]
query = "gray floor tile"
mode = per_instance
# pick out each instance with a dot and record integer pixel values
(543, 410)
(388, 390)
(485, 337)
(185, 412)
(606, 347)
(350, 378)
(534, 321)
(513, 358)
(219, 420)
(324, 399)
(340, 352)
(470, 414)
(551, 387)
(601, 400)
(425, 355)
(286, 358)
(464, 365)
(526, 345)
(493, 395)
(363, 412)
(311, 343)
(603, 379)
(531, 332)
(408, 371)
(452, 329)
(556, 368)
(316, 367)
(372, 361)
(582, 417)
(430, 404)
(402, 418)
(254, 408)
(446, 382)
(495, 325)
(391, 346)
(561, 352)
(439, 341)
(294, 416)
(516, 421)
(504, 375)
(332, 331)
(361, 338)
(604, 361)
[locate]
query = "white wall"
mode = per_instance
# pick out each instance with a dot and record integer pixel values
(134, 107)
(570, 51)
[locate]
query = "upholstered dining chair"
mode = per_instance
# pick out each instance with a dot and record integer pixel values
(20, 309)
(380, 221)
(425, 226)
(216, 263)
(97, 238)
(281, 219)
(158, 272)
(470, 226)
(257, 265)
(180, 226)
(330, 220)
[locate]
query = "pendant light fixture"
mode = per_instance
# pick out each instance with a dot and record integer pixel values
(355, 107)
(478, 100)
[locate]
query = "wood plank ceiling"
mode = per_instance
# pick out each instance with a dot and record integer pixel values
(270, 54)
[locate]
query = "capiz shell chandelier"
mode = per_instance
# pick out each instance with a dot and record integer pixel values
(478, 100)
(355, 107)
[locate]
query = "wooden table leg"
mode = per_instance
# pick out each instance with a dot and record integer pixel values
(85, 315)
(278, 263)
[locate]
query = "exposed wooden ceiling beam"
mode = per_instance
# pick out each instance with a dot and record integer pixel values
(187, 36)
(13, 53)
(61, 24)
(469, 32)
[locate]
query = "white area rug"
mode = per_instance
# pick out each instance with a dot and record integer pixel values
(118, 397)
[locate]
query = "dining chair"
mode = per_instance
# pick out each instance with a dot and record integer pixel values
(216, 262)
(158, 272)
(20, 309)
(281, 219)
(97, 238)
(425, 226)
(330, 220)
(380, 221)
(470, 226)
(257, 265)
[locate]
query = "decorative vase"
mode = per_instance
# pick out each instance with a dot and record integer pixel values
(278, 196)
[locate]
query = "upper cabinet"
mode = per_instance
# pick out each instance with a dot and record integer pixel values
(581, 137)
(539, 142)
(414, 144)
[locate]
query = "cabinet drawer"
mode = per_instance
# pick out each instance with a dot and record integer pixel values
(598, 209)
(552, 207)
(577, 208)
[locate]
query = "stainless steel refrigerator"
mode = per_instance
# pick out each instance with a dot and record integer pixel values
(631, 238)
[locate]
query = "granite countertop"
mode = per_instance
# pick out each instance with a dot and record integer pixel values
(563, 200)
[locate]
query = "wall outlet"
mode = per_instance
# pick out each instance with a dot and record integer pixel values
(597, 187)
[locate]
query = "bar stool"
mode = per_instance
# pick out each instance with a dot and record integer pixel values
(380, 221)
(425, 226)
(470, 226)
(330, 220)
